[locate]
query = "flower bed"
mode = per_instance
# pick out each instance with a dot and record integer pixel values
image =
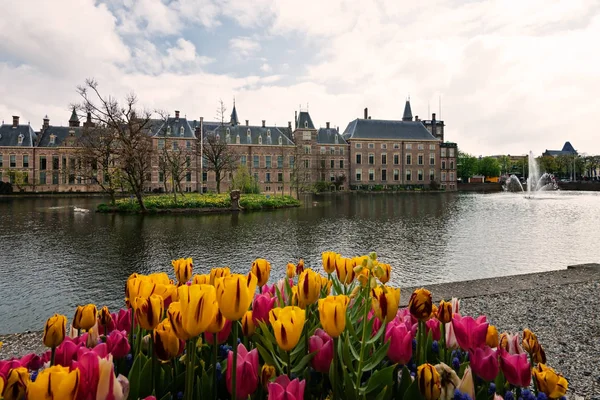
(223, 335)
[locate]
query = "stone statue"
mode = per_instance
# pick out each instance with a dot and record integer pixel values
(235, 200)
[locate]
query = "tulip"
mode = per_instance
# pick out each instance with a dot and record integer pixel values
(470, 333)
(261, 305)
(284, 389)
(117, 344)
(183, 269)
(109, 386)
(166, 344)
(287, 323)
(344, 268)
(532, 346)
(433, 325)
(122, 320)
(220, 272)
(246, 371)
(549, 382)
(420, 304)
(383, 272)
(329, 258)
(31, 361)
(267, 373)
(376, 323)
(510, 343)
(332, 314)
(428, 381)
(234, 294)
(55, 383)
(222, 335)
(176, 320)
(17, 383)
(54, 331)
(201, 279)
(322, 344)
(92, 337)
(105, 318)
(385, 302)
(290, 270)
(515, 368)
(248, 326)
(66, 353)
(146, 286)
(434, 311)
(261, 268)
(198, 306)
(444, 312)
(309, 287)
(2, 380)
(300, 267)
(466, 385)
(484, 363)
(491, 338)
(148, 311)
(400, 337)
(449, 381)
(326, 284)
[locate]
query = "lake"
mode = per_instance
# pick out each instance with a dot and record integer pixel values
(52, 259)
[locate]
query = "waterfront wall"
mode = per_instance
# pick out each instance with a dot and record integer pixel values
(480, 187)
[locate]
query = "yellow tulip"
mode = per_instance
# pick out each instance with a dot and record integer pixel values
(166, 343)
(294, 299)
(56, 382)
(429, 382)
(183, 269)
(267, 373)
(218, 322)
(309, 287)
(300, 267)
(290, 270)
(329, 258)
(261, 268)
(344, 268)
(85, 317)
(104, 318)
(287, 323)
(385, 302)
(326, 285)
(16, 384)
(444, 314)
(420, 304)
(532, 346)
(203, 279)
(2, 383)
(220, 272)
(148, 311)
(198, 307)
(332, 314)
(176, 320)
(491, 338)
(146, 286)
(248, 326)
(434, 311)
(548, 381)
(160, 278)
(383, 272)
(54, 331)
(234, 294)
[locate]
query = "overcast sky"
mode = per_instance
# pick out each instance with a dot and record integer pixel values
(512, 76)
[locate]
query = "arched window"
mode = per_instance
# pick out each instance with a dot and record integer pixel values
(336, 139)
(168, 129)
(181, 131)
(260, 140)
(228, 137)
(280, 140)
(20, 139)
(237, 139)
(248, 136)
(268, 133)
(306, 124)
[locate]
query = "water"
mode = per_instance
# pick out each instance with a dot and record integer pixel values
(52, 258)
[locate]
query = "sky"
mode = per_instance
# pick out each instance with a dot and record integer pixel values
(511, 76)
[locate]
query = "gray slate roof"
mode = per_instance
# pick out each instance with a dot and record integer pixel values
(255, 133)
(234, 117)
(303, 117)
(384, 129)
(9, 136)
(175, 125)
(567, 150)
(407, 116)
(327, 136)
(61, 134)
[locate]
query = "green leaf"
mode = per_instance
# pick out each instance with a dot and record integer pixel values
(302, 364)
(432, 358)
(343, 350)
(267, 357)
(500, 381)
(166, 397)
(383, 377)
(376, 358)
(482, 394)
(146, 377)
(348, 386)
(134, 378)
(377, 335)
(413, 393)
(405, 382)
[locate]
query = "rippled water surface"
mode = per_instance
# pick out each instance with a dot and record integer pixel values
(52, 259)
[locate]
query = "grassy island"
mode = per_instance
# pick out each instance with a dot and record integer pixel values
(194, 202)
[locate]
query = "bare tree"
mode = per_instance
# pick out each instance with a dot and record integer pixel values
(176, 164)
(133, 147)
(298, 170)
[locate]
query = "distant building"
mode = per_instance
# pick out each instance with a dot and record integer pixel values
(567, 150)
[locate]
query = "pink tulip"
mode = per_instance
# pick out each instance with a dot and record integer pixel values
(466, 385)
(31, 361)
(262, 304)
(376, 323)
(100, 350)
(89, 374)
(322, 343)
(470, 333)
(111, 326)
(7, 366)
(515, 368)
(221, 336)
(400, 350)
(66, 352)
(117, 344)
(412, 324)
(451, 342)
(433, 325)
(247, 371)
(455, 305)
(484, 363)
(97, 379)
(284, 389)
(266, 289)
(514, 344)
(123, 320)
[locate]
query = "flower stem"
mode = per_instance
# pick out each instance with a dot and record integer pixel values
(334, 372)
(153, 362)
(234, 366)
(421, 343)
(214, 357)
(52, 356)
(289, 367)
(363, 337)
(131, 332)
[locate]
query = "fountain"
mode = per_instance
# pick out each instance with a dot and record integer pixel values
(535, 182)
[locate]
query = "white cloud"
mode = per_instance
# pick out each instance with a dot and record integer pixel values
(244, 46)
(266, 68)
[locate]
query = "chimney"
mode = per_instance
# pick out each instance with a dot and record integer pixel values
(327, 125)
(433, 126)
(46, 123)
(176, 115)
(369, 117)
(366, 113)
(290, 125)
(295, 120)
(263, 123)
(247, 122)
(15, 121)
(416, 117)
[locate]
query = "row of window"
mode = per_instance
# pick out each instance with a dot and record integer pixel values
(161, 177)
(323, 150)
(174, 144)
(396, 159)
(12, 161)
(396, 175)
(408, 146)
(450, 152)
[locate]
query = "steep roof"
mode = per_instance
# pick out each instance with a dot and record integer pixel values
(407, 116)
(270, 134)
(173, 128)
(568, 148)
(328, 136)
(234, 117)
(304, 121)
(61, 133)
(9, 136)
(384, 129)
(74, 117)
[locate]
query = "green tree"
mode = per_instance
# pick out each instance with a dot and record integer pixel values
(243, 181)
(466, 166)
(488, 167)
(547, 164)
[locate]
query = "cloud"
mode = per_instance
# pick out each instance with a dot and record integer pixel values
(266, 68)
(243, 46)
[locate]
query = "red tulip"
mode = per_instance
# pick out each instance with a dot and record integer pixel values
(400, 350)
(284, 389)
(117, 344)
(515, 367)
(484, 363)
(97, 379)
(262, 304)
(7, 366)
(269, 289)
(123, 320)
(322, 343)
(221, 336)
(31, 361)
(247, 371)
(433, 325)
(376, 323)
(409, 320)
(470, 333)
(66, 352)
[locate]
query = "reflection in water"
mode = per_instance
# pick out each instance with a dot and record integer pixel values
(52, 259)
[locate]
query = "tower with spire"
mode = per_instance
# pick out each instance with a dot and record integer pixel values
(234, 121)
(407, 116)
(74, 120)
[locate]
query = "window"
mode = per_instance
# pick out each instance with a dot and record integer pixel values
(168, 129)
(371, 158)
(280, 177)
(336, 140)
(331, 176)
(341, 151)
(268, 133)
(161, 144)
(443, 177)
(383, 159)
(432, 147)
(204, 176)
(443, 152)
(396, 159)
(420, 159)
(323, 150)
(55, 162)
(306, 164)
(52, 139)
(358, 158)
(256, 177)
(432, 174)
(1, 161)
(161, 176)
(175, 147)
(384, 175)
(306, 149)
(256, 162)
(443, 164)
(371, 174)
(182, 131)
(332, 150)
(450, 152)
(279, 161)
(332, 164)
(237, 139)
(188, 144)
(384, 146)
(451, 176)
(227, 137)
(341, 163)
(248, 136)
(268, 161)
(268, 177)
(408, 175)
(42, 163)
(408, 159)
(420, 175)
(280, 140)
(42, 177)
(359, 174)
(358, 145)
(55, 178)
(260, 140)
(431, 158)
(306, 124)
(396, 145)
(188, 162)
(20, 139)
(306, 136)
(291, 161)
(322, 164)
(396, 174)
(420, 146)
(408, 146)
(451, 164)
(243, 160)
(13, 161)
(25, 161)
(371, 145)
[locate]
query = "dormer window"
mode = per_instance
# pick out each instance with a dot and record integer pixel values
(280, 140)
(52, 139)
(181, 131)
(260, 140)
(168, 129)
(228, 131)
(218, 137)
(20, 139)
(248, 136)
(306, 124)
(268, 133)
(336, 139)
(228, 137)
(237, 139)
